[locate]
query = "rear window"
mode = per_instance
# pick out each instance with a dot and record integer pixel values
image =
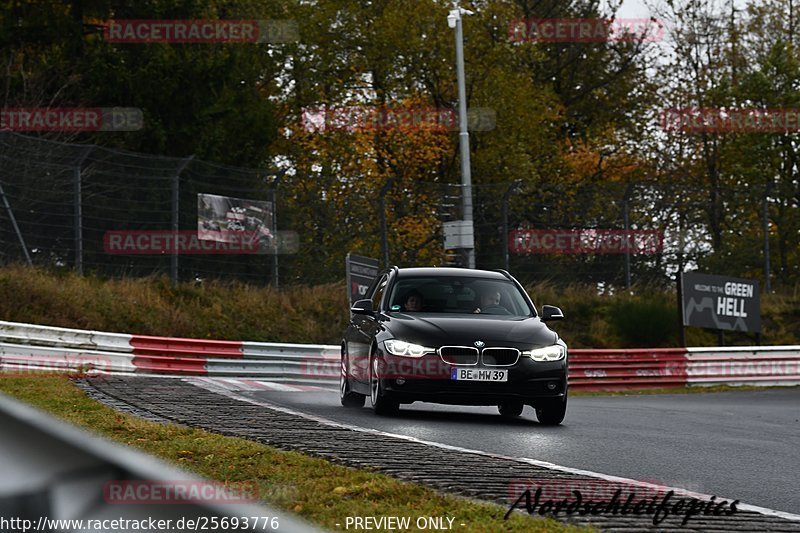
(458, 295)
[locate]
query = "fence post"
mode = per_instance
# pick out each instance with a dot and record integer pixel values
(11, 213)
(504, 211)
(767, 266)
(627, 222)
(78, 208)
(176, 184)
(16, 227)
(274, 195)
(382, 215)
(679, 291)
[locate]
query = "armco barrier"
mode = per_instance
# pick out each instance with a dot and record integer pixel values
(309, 364)
(19, 333)
(167, 355)
(767, 365)
(27, 346)
(42, 358)
(627, 369)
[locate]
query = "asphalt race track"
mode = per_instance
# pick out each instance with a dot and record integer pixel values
(738, 445)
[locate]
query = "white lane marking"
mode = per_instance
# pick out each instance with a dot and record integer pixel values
(543, 464)
(230, 383)
(273, 386)
(234, 384)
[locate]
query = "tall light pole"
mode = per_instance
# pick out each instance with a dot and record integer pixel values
(454, 21)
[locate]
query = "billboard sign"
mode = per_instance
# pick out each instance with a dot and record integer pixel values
(221, 218)
(720, 302)
(361, 271)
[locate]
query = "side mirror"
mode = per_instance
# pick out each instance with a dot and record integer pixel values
(551, 312)
(363, 307)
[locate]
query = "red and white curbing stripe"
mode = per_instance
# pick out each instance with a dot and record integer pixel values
(33, 347)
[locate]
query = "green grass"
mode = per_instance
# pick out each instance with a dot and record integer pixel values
(315, 489)
(645, 317)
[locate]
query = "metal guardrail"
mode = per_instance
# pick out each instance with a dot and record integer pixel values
(627, 369)
(26, 346)
(307, 364)
(759, 366)
(257, 350)
(30, 357)
(56, 472)
(20, 333)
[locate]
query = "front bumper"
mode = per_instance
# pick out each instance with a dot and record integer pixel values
(428, 379)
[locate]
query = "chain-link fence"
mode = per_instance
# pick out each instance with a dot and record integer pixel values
(60, 202)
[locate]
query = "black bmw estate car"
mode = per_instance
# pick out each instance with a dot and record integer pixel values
(453, 336)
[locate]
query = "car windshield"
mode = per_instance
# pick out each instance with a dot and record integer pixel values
(467, 295)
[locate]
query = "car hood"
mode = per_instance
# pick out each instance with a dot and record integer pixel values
(463, 330)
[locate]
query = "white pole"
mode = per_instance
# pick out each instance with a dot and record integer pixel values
(463, 135)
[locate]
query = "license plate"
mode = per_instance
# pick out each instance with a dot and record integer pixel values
(478, 374)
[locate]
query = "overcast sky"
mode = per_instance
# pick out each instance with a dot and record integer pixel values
(637, 8)
(633, 9)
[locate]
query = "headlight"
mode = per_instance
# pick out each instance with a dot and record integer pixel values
(406, 349)
(550, 353)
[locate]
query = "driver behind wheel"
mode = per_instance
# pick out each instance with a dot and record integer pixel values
(413, 301)
(490, 302)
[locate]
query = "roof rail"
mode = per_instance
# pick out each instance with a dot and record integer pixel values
(504, 272)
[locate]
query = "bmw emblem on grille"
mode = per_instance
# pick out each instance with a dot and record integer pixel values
(479, 344)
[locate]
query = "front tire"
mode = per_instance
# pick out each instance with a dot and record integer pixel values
(381, 403)
(346, 395)
(551, 412)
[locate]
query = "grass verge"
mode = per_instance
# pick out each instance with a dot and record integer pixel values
(315, 489)
(644, 317)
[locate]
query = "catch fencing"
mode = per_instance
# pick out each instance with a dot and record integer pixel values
(33, 348)
(60, 202)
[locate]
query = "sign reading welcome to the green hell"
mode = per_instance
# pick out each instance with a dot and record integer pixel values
(720, 302)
